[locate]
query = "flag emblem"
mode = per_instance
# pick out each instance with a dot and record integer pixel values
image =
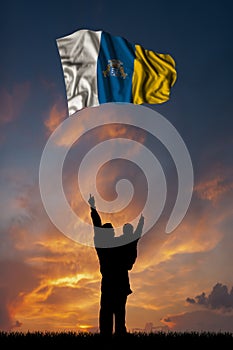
(115, 69)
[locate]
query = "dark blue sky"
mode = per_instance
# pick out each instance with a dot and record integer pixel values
(197, 34)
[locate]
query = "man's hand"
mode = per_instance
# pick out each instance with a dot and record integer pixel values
(141, 221)
(91, 201)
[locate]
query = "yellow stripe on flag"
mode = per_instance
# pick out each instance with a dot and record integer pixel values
(154, 75)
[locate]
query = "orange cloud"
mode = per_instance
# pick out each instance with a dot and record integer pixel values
(194, 235)
(57, 114)
(215, 186)
(111, 131)
(56, 278)
(66, 283)
(103, 132)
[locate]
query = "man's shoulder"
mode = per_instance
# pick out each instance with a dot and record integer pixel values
(122, 240)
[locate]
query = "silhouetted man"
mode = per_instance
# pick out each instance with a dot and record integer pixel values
(116, 256)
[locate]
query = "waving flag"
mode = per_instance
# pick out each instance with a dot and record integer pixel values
(99, 68)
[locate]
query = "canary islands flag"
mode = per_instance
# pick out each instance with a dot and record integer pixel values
(99, 68)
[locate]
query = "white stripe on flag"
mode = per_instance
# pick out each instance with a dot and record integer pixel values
(79, 53)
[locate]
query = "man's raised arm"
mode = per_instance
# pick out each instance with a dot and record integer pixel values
(96, 220)
(138, 231)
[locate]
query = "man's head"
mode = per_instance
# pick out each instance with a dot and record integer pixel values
(110, 230)
(128, 229)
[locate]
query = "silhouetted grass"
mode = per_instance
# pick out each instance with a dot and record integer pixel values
(88, 340)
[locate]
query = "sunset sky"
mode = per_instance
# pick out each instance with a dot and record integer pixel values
(180, 281)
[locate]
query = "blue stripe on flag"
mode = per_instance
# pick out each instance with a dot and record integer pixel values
(115, 67)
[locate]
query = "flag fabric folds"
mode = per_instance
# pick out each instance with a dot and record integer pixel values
(99, 68)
